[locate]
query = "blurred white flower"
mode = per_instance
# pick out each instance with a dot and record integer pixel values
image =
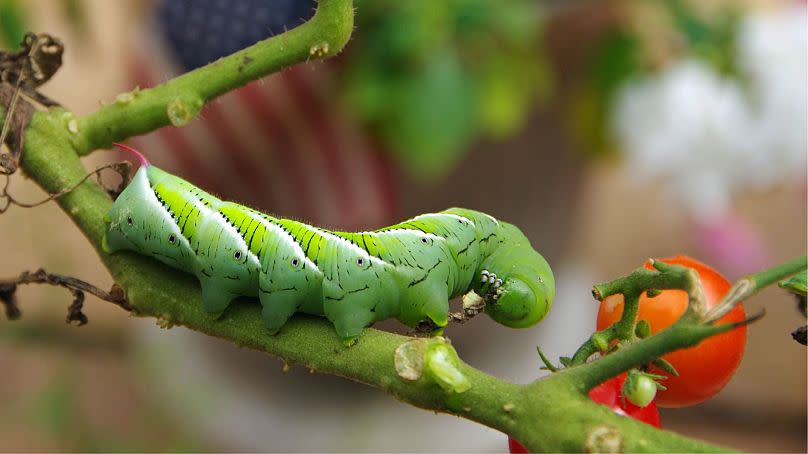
(772, 50)
(706, 137)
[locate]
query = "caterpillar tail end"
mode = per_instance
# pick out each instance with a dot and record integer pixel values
(142, 159)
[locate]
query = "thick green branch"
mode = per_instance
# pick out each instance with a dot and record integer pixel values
(548, 415)
(179, 100)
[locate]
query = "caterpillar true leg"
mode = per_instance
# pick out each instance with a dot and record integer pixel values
(490, 286)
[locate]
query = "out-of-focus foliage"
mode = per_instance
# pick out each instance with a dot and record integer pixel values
(740, 103)
(704, 99)
(647, 37)
(429, 77)
(15, 15)
(81, 392)
(12, 24)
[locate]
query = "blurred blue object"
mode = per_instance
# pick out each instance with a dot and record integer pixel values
(201, 31)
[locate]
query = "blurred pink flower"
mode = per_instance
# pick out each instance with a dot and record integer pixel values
(730, 245)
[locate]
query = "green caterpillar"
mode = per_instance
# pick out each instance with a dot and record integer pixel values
(407, 271)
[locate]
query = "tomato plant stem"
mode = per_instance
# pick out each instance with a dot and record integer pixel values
(753, 283)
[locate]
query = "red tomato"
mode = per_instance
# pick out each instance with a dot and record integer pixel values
(515, 447)
(703, 369)
(608, 394)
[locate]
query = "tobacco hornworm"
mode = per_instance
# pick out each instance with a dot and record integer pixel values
(407, 271)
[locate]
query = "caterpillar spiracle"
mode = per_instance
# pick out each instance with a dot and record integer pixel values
(407, 271)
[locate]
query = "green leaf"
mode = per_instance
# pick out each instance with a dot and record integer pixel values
(435, 119)
(508, 85)
(711, 40)
(614, 61)
(12, 23)
(796, 284)
(430, 77)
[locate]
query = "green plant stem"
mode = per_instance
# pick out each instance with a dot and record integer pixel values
(632, 286)
(770, 276)
(749, 285)
(682, 334)
(631, 307)
(142, 111)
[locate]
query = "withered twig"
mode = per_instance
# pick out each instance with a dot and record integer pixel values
(428, 327)
(9, 300)
(77, 287)
(801, 335)
(122, 168)
(21, 73)
(18, 115)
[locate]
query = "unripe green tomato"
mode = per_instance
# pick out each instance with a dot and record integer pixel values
(639, 388)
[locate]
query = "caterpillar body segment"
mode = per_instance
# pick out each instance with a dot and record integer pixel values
(140, 222)
(407, 271)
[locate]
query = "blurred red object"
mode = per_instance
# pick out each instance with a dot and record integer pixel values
(731, 245)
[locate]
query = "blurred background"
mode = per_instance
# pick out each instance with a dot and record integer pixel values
(609, 131)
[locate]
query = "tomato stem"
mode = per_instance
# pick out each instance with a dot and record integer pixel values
(665, 276)
(749, 285)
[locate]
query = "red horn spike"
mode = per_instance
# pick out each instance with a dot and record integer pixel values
(143, 160)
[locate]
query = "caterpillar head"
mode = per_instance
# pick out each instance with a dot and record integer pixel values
(527, 286)
(139, 222)
(525, 296)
